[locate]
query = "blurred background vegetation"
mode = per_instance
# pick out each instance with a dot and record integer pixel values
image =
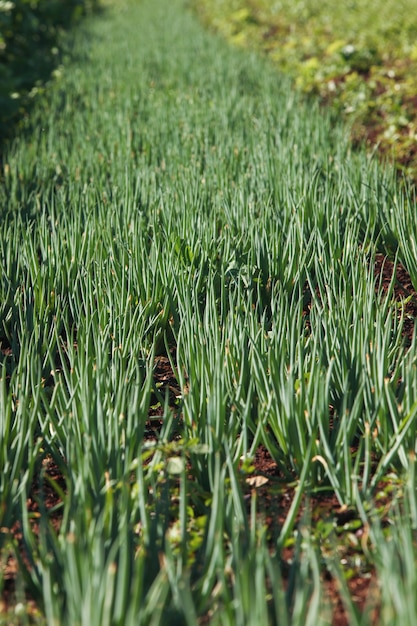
(358, 56)
(29, 50)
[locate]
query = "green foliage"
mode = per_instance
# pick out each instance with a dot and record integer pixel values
(175, 198)
(28, 48)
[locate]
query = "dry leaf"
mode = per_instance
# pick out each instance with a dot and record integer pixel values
(257, 481)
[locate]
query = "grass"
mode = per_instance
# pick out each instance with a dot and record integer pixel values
(359, 56)
(173, 198)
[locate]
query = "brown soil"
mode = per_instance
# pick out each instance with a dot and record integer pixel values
(274, 506)
(403, 290)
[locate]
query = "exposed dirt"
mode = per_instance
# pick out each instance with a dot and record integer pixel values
(403, 290)
(274, 505)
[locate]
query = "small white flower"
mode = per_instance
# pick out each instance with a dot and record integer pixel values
(19, 609)
(348, 50)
